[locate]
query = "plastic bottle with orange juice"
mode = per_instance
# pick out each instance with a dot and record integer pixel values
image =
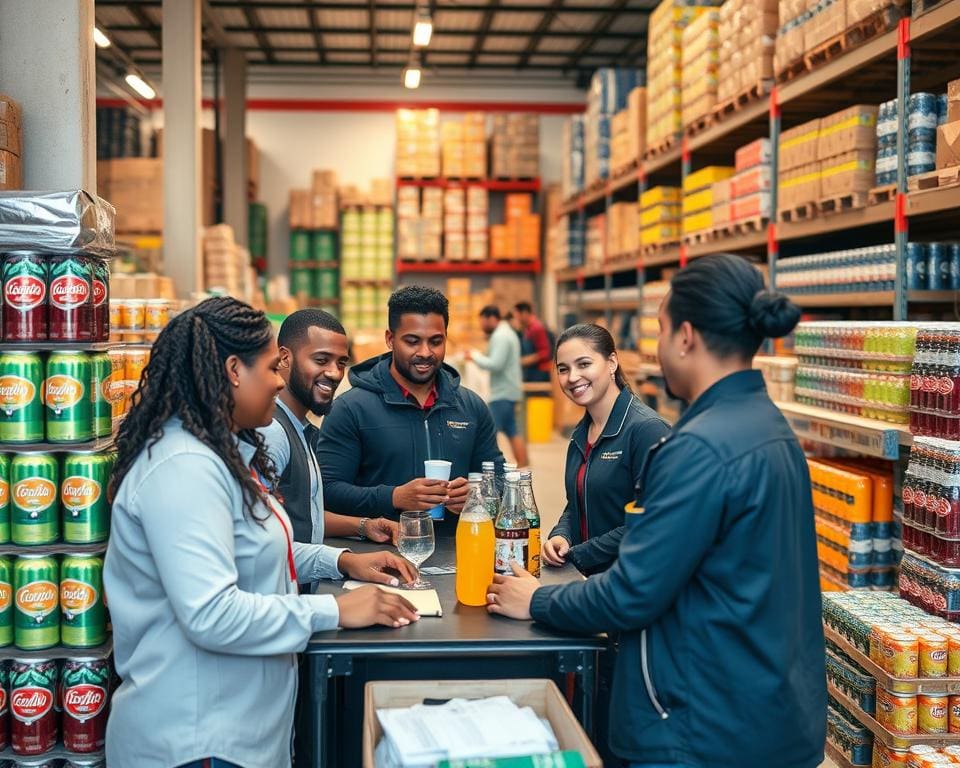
(475, 547)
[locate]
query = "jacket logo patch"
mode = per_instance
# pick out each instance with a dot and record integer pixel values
(631, 508)
(610, 455)
(458, 424)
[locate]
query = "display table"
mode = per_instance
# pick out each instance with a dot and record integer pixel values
(466, 643)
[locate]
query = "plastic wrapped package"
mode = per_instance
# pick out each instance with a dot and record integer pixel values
(56, 222)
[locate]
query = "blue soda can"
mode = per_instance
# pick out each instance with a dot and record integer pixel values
(938, 267)
(955, 266)
(916, 267)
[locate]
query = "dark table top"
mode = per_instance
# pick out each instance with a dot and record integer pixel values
(462, 628)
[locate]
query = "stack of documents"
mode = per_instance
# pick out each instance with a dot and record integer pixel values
(420, 736)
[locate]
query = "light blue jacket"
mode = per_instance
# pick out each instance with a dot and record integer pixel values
(503, 362)
(206, 620)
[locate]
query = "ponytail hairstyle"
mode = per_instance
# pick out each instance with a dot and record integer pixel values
(723, 297)
(600, 341)
(186, 378)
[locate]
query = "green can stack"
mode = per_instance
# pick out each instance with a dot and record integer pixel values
(328, 284)
(301, 282)
(36, 582)
(257, 230)
(83, 618)
(67, 396)
(324, 246)
(4, 498)
(83, 497)
(21, 397)
(6, 601)
(35, 511)
(100, 390)
(299, 246)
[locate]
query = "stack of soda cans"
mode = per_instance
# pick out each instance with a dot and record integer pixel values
(59, 394)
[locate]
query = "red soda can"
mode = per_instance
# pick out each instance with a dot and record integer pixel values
(4, 706)
(24, 278)
(71, 298)
(86, 685)
(33, 719)
(101, 300)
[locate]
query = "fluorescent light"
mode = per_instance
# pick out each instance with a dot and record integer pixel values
(100, 39)
(140, 85)
(422, 31)
(411, 76)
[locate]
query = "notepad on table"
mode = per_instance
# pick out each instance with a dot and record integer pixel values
(426, 601)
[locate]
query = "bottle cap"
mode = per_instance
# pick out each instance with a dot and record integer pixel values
(513, 477)
(474, 477)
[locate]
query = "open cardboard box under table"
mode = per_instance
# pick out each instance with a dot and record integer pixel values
(542, 696)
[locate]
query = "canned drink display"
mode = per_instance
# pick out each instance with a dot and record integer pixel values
(83, 497)
(83, 617)
(101, 300)
(4, 498)
(953, 656)
(116, 316)
(68, 400)
(100, 388)
(933, 713)
(897, 712)
(4, 706)
(132, 314)
(81, 761)
(36, 581)
(24, 297)
(21, 397)
(135, 360)
(933, 655)
(6, 601)
(70, 313)
(35, 511)
(157, 314)
(86, 686)
(33, 686)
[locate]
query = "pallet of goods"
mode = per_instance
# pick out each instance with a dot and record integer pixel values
(518, 239)
(418, 143)
(572, 181)
(419, 223)
(748, 29)
(464, 147)
(846, 150)
(799, 181)
(366, 265)
(515, 146)
(629, 128)
(750, 187)
(623, 230)
(608, 94)
(697, 206)
(596, 245)
(700, 56)
(660, 217)
(226, 265)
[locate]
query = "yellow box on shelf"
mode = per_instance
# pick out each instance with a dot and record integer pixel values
(697, 222)
(659, 233)
(658, 214)
(698, 201)
(706, 176)
(660, 195)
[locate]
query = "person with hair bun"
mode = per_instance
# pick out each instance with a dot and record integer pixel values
(715, 591)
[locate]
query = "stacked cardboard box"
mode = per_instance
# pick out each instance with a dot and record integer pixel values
(134, 185)
(629, 129)
(380, 193)
(700, 56)
(623, 229)
(226, 266)
(828, 18)
(570, 238)
(464, 146)
(573, 153)
(664, 65)
(419, 223)
(515, 146)
(596, 250)
(478, 216)
(11, 145)
(418, 143)
(799, 182)
(608, 94)
(660, 216)
(720, 207)
(317, 207)
(519, 238)
(847, 150)
(948, 133)
(748, 30)
(698, 197)
(750, 188)
(790, 46)
(463, 329)
(455, 224)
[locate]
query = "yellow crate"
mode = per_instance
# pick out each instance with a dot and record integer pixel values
(706, 176)
(659, 233)
(659, 214)
(697, 222)
(698, 201)
(659, 195)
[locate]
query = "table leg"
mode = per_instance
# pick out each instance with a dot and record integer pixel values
(583, 665)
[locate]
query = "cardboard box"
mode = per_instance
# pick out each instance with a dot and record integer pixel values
(134, 185)
(517, 205)
(953, 101)
(848, 130)
(753, 180)
(721, 191)
(703, 178)
(658, 195)
(798, 146)
(849, 173)
(948, 145)
(757, 204)
(755, 153)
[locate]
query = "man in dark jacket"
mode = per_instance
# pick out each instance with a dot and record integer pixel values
(406, 406)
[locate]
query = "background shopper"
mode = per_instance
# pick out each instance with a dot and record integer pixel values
(715, 590)
(201, 568)
(502, 361)
(405, 406)
(537, 342)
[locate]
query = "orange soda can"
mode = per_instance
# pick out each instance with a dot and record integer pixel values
(135, 360)
(932, 713)
(897, 712)
(900, 655)
(933, 655)
(954, 717)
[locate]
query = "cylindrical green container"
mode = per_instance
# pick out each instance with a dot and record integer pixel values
(6, 601)
(36, 582)
(83, 497)
(67, 396)
(21, 397)
(301, 282)
(102, 369)
(324, 246)
(257, 230)
(83, 622)
(34, 509)
(328, 284)
(4, 498)
(299, 246)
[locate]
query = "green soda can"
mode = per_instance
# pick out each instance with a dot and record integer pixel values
(100, 383)
(36, 622)
(35, 487)
(83, 622)
(6, 601)
(83, 497)
(4, 498)
(68, 400)
(21, 397)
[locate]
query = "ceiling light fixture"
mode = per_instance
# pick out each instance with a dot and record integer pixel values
(422, 28)
(141, 86)
(101, 40)
(411, 76)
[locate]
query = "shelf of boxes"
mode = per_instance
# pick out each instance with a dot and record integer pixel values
(868, 437)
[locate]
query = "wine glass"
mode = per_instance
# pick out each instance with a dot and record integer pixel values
(416, 542)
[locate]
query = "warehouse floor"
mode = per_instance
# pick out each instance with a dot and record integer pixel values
(547, 461)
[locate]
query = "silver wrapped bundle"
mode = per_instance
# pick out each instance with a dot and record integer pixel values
(56, 222)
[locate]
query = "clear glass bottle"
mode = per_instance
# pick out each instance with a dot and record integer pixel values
(512, 531)
(488, 489)
(532, 513)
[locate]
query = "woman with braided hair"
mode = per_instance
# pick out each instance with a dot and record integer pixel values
(201, 569)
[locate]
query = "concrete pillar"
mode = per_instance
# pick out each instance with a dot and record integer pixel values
(235, 143)
(47, 64)
(182, 156)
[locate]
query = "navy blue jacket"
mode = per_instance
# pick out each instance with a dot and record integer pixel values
(715, 594)
(374, 439)
(610, 481)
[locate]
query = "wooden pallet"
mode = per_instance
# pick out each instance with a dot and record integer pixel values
(802, 212)
(920, 7)
(662, 148)
(843, 203)
(595, 186)
(875, 24)
(751, 225)
(731, 106)
(624, 170)
(882, 194)
(699, 124)
(940, 179)
(698, 238)
(792, 71)
(654, 248)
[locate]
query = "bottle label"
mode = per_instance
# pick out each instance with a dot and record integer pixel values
(507, 549)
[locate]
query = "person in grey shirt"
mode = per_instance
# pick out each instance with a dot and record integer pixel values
(201, 568)
(506, 390)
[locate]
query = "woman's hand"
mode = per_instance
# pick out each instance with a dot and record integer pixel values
(371, 605)
(370, 567)
(555, 551)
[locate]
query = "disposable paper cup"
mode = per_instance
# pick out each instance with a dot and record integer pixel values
(437, 469)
